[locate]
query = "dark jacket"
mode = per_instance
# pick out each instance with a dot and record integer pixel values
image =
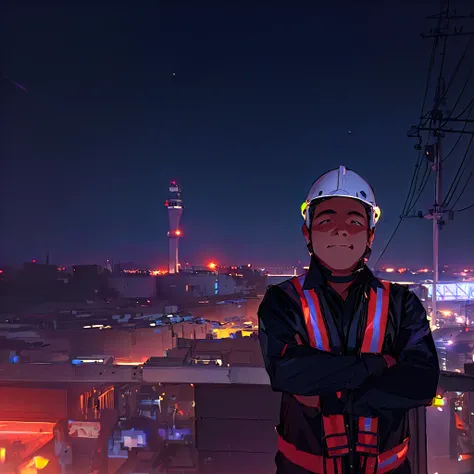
(368, 387)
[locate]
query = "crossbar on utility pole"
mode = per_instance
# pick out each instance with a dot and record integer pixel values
(437, 127)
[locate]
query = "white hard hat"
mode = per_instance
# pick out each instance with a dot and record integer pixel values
(342, 182)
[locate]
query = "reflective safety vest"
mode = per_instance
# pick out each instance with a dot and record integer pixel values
(335, 436)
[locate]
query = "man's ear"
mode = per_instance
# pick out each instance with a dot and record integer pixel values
(306, 235)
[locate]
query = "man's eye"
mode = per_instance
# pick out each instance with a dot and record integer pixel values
(356, 223)
(325, 221)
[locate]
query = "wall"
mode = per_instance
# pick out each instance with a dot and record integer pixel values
(134, 286)
(235, 429)
(28, 404)
(135, 345)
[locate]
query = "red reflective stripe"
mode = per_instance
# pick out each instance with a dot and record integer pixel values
(369, 327)
(333, 425)
(285, 347)
(306, 312)
(393, 458)
(335, 437)
(338, 394)
(371, 319)
(336, 441)
(384, 319)
(319, 321)
(333, 466)
(367, 437)
(308, 461)
(368, 424)
(385, 462)
(369, 464)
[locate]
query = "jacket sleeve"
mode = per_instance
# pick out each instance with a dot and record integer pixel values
(413, 380)
(301, 369)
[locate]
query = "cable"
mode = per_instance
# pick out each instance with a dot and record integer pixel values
(424, 182)
(416, 171)
(454, 146)
(389, 241)
(15, 83)
(414, 180)
(458, 99)
(470, 104)
(32, 96)
(465, 208)
(428, 77)
(457, 178)
(465, 185)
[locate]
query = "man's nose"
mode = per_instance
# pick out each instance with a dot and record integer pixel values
(340, 230)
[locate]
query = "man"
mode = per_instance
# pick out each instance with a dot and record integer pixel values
(350, 353)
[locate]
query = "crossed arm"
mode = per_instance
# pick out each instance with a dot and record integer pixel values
(369, 379)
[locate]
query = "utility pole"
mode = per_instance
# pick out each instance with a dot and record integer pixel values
(437, 214)
(437, 122)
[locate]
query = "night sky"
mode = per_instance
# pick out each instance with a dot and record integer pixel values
(244, 106)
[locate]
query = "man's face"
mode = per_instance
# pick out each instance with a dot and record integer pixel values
(339, 232)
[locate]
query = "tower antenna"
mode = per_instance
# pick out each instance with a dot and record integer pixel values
(175, 210)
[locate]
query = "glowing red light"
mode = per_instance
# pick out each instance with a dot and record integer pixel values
(212, 265)
(173, 183)
(33, 261)
(178, 232)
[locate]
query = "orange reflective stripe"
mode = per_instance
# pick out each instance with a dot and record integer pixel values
(317, 321)
(377, 318)
(313, 317)
(304, 305)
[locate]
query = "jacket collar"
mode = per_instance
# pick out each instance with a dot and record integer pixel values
(315, 277)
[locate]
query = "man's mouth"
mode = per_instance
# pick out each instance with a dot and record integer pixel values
(346, 246)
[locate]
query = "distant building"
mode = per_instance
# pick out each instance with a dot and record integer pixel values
(86, 272)
(132, 286)
(39, 273)
(199, 284)
(240, 351)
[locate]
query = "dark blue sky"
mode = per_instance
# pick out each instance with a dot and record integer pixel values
(260, 105)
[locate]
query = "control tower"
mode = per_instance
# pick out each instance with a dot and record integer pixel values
(175, 209)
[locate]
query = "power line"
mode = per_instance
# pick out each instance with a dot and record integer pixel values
(424, 181)
(465, 185)
(453, 148)
(437, 123)
(414, 179)
(457, 178)
(465, 208)
(389, 241)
